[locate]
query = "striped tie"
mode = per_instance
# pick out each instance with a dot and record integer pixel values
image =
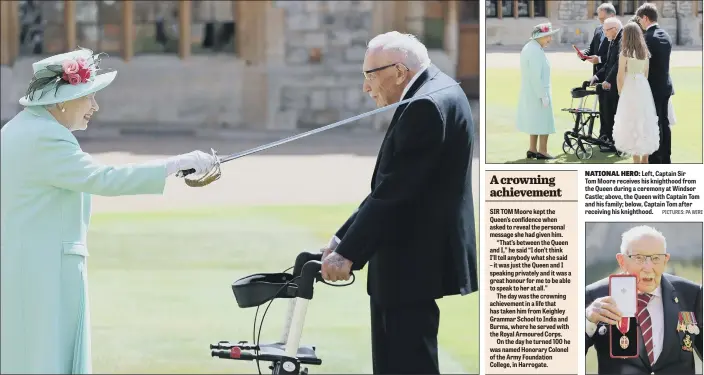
(645, 323)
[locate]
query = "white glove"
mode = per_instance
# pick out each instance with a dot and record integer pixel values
(545, 101)
(198, 160)
(594, 79)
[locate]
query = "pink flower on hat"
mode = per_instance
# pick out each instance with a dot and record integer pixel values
(72, 78)
(82, 63)
(84, 74)
(544, 28)
(76, 71)
(70, 67)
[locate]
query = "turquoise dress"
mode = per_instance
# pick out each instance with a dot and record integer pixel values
(47, 182)
(532, 118)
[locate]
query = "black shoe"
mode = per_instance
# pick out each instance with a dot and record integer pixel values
(531, 155)
(540, 156)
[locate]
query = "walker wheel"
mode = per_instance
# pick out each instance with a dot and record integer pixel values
(567, 147)
(584, 150)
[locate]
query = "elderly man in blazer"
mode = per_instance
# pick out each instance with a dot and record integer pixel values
(415, 229)
(596, 54)
(669, 313)
(613, 28)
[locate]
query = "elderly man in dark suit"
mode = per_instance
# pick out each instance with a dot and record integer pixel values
(596, 54)
(668, 314)
(607, 76)
(415, 229)
(660, 47)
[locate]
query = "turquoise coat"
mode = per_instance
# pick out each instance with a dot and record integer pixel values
(532, 117)
(47, 182)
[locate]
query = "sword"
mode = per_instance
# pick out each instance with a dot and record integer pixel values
(267, 146)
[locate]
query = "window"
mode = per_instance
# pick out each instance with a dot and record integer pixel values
(98, 25)
(516, 8)
(507, 8)
(213, 26)
(469, 12)
(523, 8)
(491, 8)
(41, 30)
(434, 24)
(156, 27)
(426, 19)
(630, 6)
(540, 8)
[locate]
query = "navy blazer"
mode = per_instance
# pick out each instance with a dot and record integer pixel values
(678, 295)
(660, 47)
(415, 229)
(598, 47)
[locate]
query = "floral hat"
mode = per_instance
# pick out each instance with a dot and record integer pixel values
(65, 77)
(543, 29)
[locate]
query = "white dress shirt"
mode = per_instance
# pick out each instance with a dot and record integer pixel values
(334, 241)
(657, 318)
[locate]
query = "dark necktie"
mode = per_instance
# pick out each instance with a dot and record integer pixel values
(608, 51)
(646, 324)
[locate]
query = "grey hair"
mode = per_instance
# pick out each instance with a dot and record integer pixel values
(405, 48)
(608, 8)
(637, 233)
(613, 21)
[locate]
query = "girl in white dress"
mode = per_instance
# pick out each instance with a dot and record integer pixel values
(636, 129)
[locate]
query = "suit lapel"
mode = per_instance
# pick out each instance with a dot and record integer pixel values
(671, 338)
(424, 77)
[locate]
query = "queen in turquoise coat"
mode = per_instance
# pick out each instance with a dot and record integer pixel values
(535, 111)
(47, 183)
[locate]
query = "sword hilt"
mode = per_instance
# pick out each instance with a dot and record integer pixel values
(186, 172)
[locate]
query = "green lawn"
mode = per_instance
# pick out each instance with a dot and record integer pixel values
(160, 292)
(504, 144)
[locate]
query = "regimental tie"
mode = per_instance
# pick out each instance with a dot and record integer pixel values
(646, 324)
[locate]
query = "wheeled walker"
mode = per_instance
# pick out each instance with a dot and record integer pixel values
(286, 356)
(580, 139)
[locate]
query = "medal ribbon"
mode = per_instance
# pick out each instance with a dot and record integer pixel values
(685, 319)
(624, 325)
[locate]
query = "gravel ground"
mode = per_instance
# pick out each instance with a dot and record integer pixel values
(559, 60)
(320, 169)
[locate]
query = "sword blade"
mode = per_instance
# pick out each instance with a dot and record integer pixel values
(326, 127)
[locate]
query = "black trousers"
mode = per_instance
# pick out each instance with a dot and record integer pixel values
(662, 155)
(405, 339)
(603, 119)
(607, 119)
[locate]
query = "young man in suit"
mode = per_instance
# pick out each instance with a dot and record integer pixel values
(416, 227)
(660, 47)
(607, 76)
(667, 342)
(596, 54)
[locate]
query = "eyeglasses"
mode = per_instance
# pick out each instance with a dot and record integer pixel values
(368, 73)
(655, 258)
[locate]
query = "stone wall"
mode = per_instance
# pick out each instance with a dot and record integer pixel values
(576, 26)
(307, 93)
(278, 88)
(153, 92)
